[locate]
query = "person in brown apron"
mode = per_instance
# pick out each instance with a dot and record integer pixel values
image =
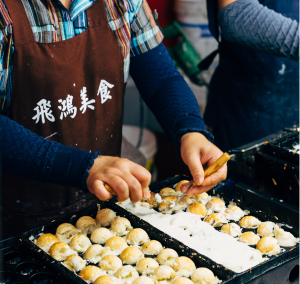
(58, 86)
(94, 81)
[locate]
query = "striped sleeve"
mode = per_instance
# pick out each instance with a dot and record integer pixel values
(145, 33)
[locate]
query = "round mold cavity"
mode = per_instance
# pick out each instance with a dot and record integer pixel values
(27, 268)
(44, 278)
(7, 277)
(14, 258)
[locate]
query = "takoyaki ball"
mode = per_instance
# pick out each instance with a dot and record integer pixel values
(202, 197)
(120, 226)
(46, 241)
(110, 263)
(215, 219)
(232, 229)
(268, 246)
(116, 244)
(249, 222)
(234, 213)
(151, 202)
(60, 251)
(182, 280)
(184, 200)
(284, 239)
(265, 229)
(249, 238)
(127, 274)
(131, 255)
(215, 204)
(164, 273)
(143, 280)
(164, 205)
(74, 263)
(95, 253)
(105, 279)
(80, 243)
(167, 256)
(197, 209)
(178, 185)
(137, 237)
(167, 191)
(204, 275)
(101, 235)
(184, 266)
(152, 247)
(146, 266)
(105, 216)
(65, 232)
(86, 225)
(90, 273)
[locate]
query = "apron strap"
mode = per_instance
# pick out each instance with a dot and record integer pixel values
(22, 31)
(96, 14)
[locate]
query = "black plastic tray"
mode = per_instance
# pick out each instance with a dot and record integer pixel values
(19, 266)
(223, 273)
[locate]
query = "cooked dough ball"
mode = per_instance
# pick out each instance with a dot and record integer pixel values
(234, 213)
(204, 276)
(268, 246)
(80, 243)
(143, 280)
(164, 273)
(104, 279)
(46, 241)
(215, 219)
(127, 273)
(151, 202)
(152, 247)
(182, 280)
(110, 263)
(167, 256)
(232, 229)
(184, 200)
(131, 255)
(96, 252)
(65, 232)
(249, 238)
(178, 185)
(197, 209)
(86, 224)
(285, 239)
(60, 251)
(146, 266)
(90, 273)
(116, 244)
(166, 191)
(249, 222)
(74, 263)
(215, 204)
(184, 266)
(202, 197)
(137, 237)
(265, 229)
(120, 226)
(105, 216)
(164, 205)
(101, 235)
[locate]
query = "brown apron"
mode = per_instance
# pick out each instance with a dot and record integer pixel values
(73, 88)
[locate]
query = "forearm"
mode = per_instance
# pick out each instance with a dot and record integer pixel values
(167, 94)
(27, 155)
(251, 24)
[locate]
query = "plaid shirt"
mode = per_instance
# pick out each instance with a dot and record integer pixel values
(130, 20)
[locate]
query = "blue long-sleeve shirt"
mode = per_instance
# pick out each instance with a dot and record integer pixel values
(30, 156)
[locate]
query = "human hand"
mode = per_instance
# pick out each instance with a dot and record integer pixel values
(126, 178)
(196, 151)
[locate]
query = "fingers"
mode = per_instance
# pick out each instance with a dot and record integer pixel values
(100, 191)
(195, 167)
(185, 187)
(218, 176)
(143, 176)
(119, 186)
(199, 189)
(134, 187)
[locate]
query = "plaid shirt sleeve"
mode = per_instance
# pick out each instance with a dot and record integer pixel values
(145, 33)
